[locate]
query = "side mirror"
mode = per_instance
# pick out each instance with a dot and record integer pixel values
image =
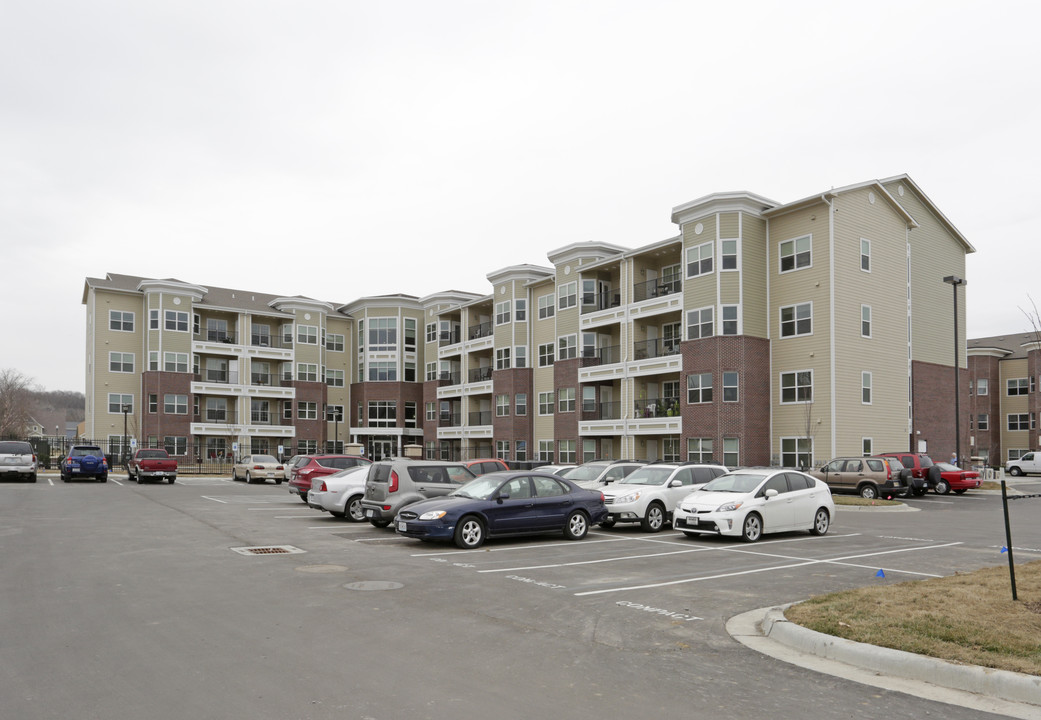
(771, 493)
(676, 482)
(503, 495)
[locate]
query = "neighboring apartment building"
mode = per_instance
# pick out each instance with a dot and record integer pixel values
(1004, 399)
(761, 333)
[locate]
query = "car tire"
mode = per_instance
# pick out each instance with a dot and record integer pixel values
(303, 496)
(654, 519)
(607, 524)
(868, 491)
(576, 526)
(960, 492)
(355, 512)
(469, 533)
(249, 478)
(234, 477)
(277, 481)
(379, 522)
(942, 487)
(337, 514)
(33, 478)
(102, 478)
(821, 522)
(170, 481)
(752, 528)
(1014, 471)
(65, 478)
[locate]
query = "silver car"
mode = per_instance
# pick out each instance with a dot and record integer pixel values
(393, 484)
(17, 460)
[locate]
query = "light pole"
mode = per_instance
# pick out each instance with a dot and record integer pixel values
(123, 449)
(954, 281)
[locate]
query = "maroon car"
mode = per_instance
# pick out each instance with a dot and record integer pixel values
(954, 478)
(311, 466)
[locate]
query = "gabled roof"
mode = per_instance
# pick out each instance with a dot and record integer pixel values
(875, 185)
(905, 178)
(1007, 347)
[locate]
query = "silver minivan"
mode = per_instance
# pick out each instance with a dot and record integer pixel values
(393, 484)
(17, 460)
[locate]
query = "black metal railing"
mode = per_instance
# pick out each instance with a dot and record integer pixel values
(479, 374)
(224, 377)
(655, 348)
(449, 378)
(656, 407)
(591, 302)
(483, 417)
(479, 331)
(228, 337)
(603, 411)
(450, 419)
(656, 288)
(448, 337)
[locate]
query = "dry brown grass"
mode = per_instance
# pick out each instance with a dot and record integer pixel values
(966, 618)
(857, 500)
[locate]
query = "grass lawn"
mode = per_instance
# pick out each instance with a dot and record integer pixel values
(967, 618)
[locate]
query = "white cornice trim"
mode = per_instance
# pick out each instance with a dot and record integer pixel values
(734, 201)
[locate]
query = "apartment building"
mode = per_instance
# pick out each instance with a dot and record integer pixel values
(760, 333)
(1004, 399)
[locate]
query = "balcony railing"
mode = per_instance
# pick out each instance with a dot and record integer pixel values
(656, 407)
(658, 347)
(224, 377)
(450, 378)
(601, 356)
(483, 417)
(479, 331)
(591, 302)
(603, 411)
(656, 288)
(450, 419)
(228, 337)
(215, 415)
(271, 341)
(448, 337)
(260, 378)
(479, 374)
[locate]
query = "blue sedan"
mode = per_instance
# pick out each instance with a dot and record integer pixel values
(501, 504)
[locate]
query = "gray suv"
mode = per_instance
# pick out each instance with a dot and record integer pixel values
(17, 460)
(392, 484)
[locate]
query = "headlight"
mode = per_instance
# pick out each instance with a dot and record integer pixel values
(631, 497)
(432, 515)
(729, 507)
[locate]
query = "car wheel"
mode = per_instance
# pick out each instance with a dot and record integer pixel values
(654, 519)
(277, 481)
(868, 491)
(355, 512)
(249, 478)
(821, 522)
(102, 478)
(171, 481)
(65, 478)
(379, 522)
(942, 488)
(469, 533)
(233, 475)
(607, 524)
(752, 528)
(1014, 471)
(303, 496)
(576, 526)
(33, 478)
(959, 492)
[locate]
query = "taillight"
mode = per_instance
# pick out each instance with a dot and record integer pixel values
(258, 467)
(323, 488)
(601, 497)
(889, 472)
(280, 468)
(393, 487)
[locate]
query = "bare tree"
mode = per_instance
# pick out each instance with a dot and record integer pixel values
(1034, 317)
(16, 392)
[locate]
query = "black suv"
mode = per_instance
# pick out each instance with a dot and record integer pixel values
(85, 461)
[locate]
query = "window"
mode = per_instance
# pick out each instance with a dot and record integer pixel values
(865, 388)
(588, 398)
(567, 347)
(797, 386)
(522, 451)
(116, 401)
(796, 254)
(728, 255)
(216, 410)
(175, 362)
(306, 410)
(120, 321)
(670, 449)
(259, 412)
(431, 371)
(797, 320)
(383, 333)
(431, 411)
(865, 321)
(699, 450)
(121, 362)
(410, 334)
(566, 449)
(502, 449)
(410, 371)
(566, 399)
(410, 414)
(153, 403)
(307, 334)
(1019, 421)
(699, 323)
(588, 450)
(177, 321)
(731, 451)
(796, 452)
(865, 255)
(175, 404)
(545, 355)
(730, 387)
(502, 405)
(866, 447)
(520, 356)
(176, 444)
(520, 313)
(334, 378)
(699, 260)
(567, 295)
(521, 406)
(383, 372)
(545, 451)
(982, 422)
(153, 319)
(982, 386)
(334, 342)
(1018, 386)
(699, 388)
(502, 312)
(546, 308)
(502, 359)
(546, 403)
(431, 334)
(729, 317)
(307, 372)
(334, 413)
(383, 413)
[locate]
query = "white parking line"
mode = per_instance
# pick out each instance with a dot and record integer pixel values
(50, 481)
(116, 482)
(515, 547)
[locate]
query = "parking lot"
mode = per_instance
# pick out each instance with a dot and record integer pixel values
(344, 599)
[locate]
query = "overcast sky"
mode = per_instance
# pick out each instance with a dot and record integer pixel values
(339, 149)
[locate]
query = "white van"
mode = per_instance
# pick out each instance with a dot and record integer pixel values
(1028, 463)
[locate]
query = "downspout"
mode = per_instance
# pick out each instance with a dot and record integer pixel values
(831, 316)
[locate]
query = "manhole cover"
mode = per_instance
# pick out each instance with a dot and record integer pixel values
(370, 585)
(321, 568)
(270, 550)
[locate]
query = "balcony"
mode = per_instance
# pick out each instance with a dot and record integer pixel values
(271, 341)
(483, 417)
(603, 411)
(449, 378)
(479, 374)
(221, 377)
(449, 337)
(227, 337)
(655, 348)
(450, 419)
(592, 302)
(479, 331)
(601, 356)
(656, 408)
(656, 288)
(261, 378)
(216, 415)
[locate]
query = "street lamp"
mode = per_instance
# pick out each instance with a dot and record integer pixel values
(954, 281)
(126, 409)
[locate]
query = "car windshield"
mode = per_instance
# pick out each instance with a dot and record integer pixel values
(15, 448)
(648, 476)
(736, 483)
(146, 454)
(264, 459)
(584, 472)
(480, 489)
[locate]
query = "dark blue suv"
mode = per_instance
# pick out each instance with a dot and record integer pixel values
(85, 461)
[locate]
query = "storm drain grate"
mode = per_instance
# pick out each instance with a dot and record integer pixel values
(272, 550)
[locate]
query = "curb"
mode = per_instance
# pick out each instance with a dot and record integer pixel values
(1015, 694)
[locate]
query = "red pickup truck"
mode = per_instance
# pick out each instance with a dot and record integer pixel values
(152, 464)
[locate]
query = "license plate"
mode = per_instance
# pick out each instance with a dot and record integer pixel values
(370, 513)
(402, 526)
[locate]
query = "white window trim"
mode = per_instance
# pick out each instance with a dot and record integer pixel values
(686, 326)
(870, 321)
(869, 385)
(686, 265)
(737, 256)
(795, 308)
(780, 387)
(860, 255)
(794, 240)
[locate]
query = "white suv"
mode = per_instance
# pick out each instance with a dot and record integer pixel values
(17, 460)
(649, 495)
